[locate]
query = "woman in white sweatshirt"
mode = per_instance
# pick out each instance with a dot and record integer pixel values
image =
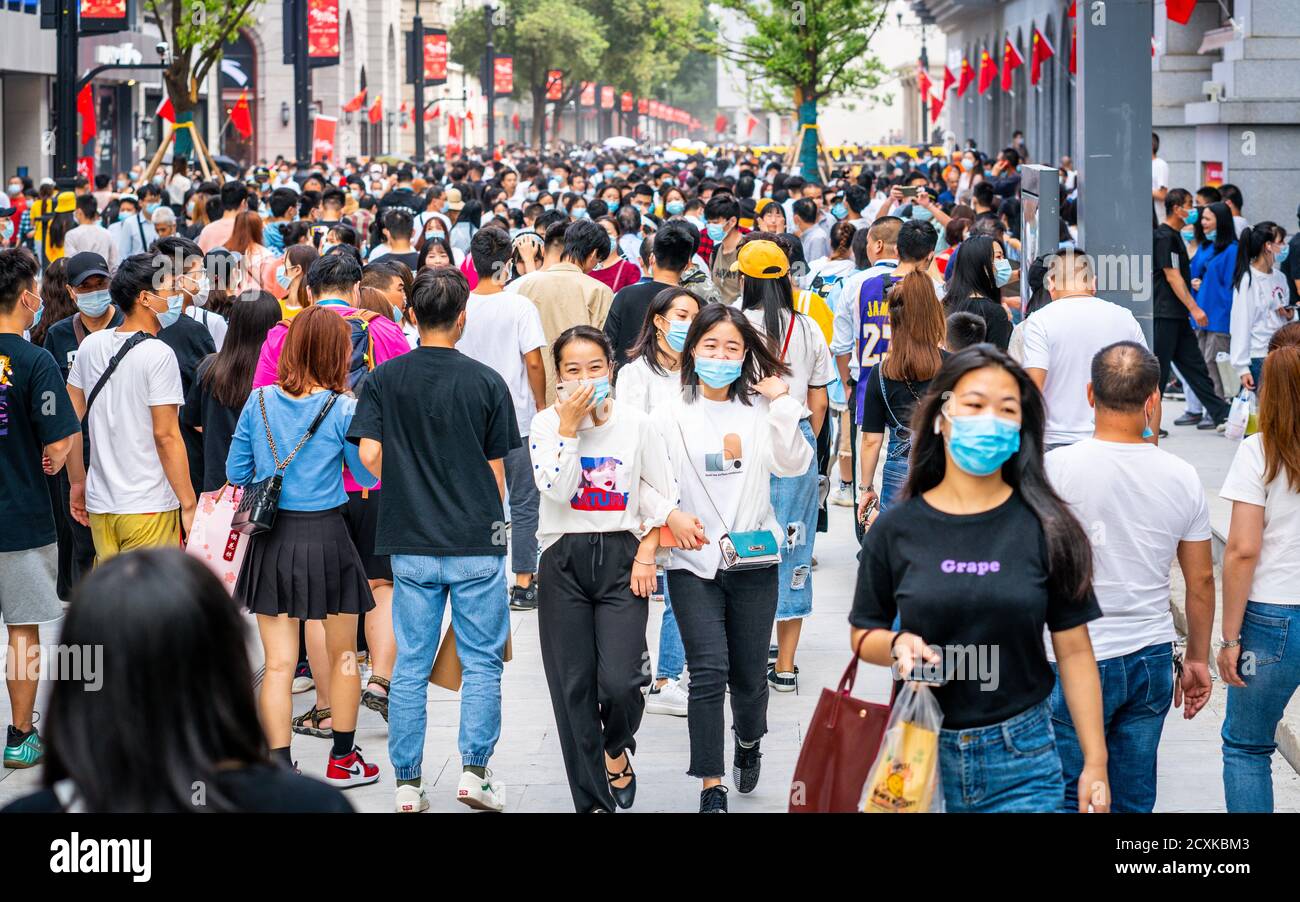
(1259, 300)
(605, 483)
(652, 377)
(734, 427)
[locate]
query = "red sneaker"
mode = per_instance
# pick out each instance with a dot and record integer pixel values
(351, 770)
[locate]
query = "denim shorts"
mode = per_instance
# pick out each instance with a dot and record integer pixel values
(1010, 766)
(794, 502)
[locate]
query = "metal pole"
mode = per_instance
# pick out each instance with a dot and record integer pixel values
(489, 80)
(66, 127)
(302, 85)
(925, 98)
(417, 27)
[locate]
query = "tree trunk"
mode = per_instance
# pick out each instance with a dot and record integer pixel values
(176, 81)
(808, 158)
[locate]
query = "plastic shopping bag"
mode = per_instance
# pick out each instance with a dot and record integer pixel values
(1239, 416)
(211, 539)
(905, 778)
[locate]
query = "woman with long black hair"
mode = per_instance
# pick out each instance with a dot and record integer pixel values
(979, 556)
(735, 427)
(137, 739)
(979, 270)
(1213, 268)
(1259, 299)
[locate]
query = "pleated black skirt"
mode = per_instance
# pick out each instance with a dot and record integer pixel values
(306, 567)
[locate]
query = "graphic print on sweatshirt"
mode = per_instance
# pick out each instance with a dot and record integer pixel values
(729, 461)
(602, 486)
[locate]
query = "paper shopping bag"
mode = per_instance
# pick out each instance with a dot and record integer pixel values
(211, 539)
(446, 663)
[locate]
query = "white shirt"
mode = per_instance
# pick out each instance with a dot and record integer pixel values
(1240, 223)
(94, 238)
(1277, 574)
(499, 330)
(133, 235)
(126, 476)
(807, 355)
(1159, 179)
(1136, 502)
(215, 322)
(1255, 315)
(1062, 338)
(641, 387)
(630, 246)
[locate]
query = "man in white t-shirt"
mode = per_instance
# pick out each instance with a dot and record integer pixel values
(503, 330)
(1159, 179)
(1062, 338)
(1142, 508)
(137, 491)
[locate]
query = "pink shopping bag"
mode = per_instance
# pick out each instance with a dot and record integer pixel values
(211, 539)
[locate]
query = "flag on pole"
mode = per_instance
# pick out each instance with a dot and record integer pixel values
(967, 76)
(936, 107)
(376, 114)
(241, 117)
(1040, 52)
(469, 116)
(166, 110)
(1011, 61)
(1070, 13)
(1074, 50)
(514, 120)
(86, 109)
(750, 124)
(431, 114)
(988, 70)
(355, 103)
(1180, 10)
(948, 81)
(922, 80)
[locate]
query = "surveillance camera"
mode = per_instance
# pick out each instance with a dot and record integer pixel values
(162, 49)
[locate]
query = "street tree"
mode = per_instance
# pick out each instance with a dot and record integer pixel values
(197, 32)
(812, 49)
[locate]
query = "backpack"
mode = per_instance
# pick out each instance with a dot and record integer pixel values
(362, 360)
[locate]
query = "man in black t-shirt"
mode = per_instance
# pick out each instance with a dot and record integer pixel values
(445, 422)
(1174, 341)
(36, 421)
(673, 247)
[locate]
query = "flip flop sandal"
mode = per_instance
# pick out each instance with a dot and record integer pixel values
(308, 723)
(373, 700)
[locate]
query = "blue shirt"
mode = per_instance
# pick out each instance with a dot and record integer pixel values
(1215, 294)
(314, 481)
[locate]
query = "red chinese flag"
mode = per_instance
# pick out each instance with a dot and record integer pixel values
(1180, 10)
(469, 116)
(922, 80)
(376, 114)
(750, 124)
(936, 107)
(355, 103)
(514, 120)
(1070, 13)
(1074, 50)
(241, 117)
(86, 109)
(166, 110)
(948, 81)
(431, 114)
(1011, 61)
(720, 124)
(988, 70)
(967, 76)
(1040, 53)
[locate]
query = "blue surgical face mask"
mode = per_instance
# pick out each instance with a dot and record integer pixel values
(283, 278)
(175, 304)
(150, 208)
(1193, 217)
(717, 373)
(716, 232)
(1210, 235)
(124, 215)
(36, 318)
(839, 211)
(579, 212)
(613, 243)
(94, 303)
(397, 315)
(1281, 255)
(601, 389)
(980, 445)
(674, 208)
(1002, 271)
(968, 165)
(1188, 235)
(676, 334)
(921, 213)
(326, 247)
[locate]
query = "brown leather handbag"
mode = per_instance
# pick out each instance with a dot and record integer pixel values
(843, 738)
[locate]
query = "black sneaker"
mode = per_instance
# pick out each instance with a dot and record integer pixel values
(1188, 419)
(1206, 424)
(714, 800)
(524, 598)
(745, 767)
(772, 652)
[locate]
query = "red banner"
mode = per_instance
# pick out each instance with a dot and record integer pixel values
(643, 106)
(86, 167)
(588, 97)
(503, 75)
(435, 57)
(323, 29)
(103, 15)
(322, 139)
(607, 97)
(627, 102)
(554, 84)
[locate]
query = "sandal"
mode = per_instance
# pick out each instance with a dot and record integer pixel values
(373, 700)
(308, 723)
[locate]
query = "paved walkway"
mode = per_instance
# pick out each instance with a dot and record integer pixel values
(528, 756)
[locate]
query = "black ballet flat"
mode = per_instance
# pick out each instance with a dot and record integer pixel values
(623, 797)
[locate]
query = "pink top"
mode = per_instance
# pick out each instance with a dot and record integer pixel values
(389, 338)
(470, 273)
(618, 276)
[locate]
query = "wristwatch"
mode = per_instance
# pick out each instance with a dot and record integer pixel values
(1229, 643)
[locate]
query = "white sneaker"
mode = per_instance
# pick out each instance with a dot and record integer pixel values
(670, 699)
(411, 799)
(481, 794)
(842, 495)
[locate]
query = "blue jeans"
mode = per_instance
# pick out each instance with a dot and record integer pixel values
(480, 615)
(893, 476)
(1137, 690)
(1256, 372)
(1253, 712)
(672, 656)
(1008, 766)
(794, 501)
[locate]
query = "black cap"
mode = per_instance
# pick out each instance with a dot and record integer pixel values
(84, 265)
(7, 211)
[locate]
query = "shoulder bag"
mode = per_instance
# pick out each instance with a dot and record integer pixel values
(261, 500)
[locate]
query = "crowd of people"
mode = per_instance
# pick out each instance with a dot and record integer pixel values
(658, 373)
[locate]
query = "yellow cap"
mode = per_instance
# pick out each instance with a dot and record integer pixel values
(761, 260)
(66, 202)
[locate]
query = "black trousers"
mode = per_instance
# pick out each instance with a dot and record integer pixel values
(725, 623)
(76, 547)
(592, 631)
(1175, 342)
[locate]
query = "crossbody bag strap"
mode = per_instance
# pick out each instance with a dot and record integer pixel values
(788, 332)
(311, 430)
(136, 339)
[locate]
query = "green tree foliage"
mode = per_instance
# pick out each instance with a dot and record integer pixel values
(196, 31)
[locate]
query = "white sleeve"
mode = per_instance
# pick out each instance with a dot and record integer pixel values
(789, 452)
(1239, 328)
(531, 334)
(630, 387)
(1198, 526)
(1037, 353)
(823, 366)
(658, 488)
(1138, 335)
(164, 378)
(556, 465)
(844, 328)
(1245, 480)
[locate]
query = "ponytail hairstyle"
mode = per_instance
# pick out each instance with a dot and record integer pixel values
(759, 363)
(1253, 240)
(842, 234)
(1069, 553)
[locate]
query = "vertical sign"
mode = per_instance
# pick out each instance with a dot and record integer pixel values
(322, 139)
(435, 56)
(503, 75)
(102, 15)
(588, 97)
(626, 105)
(607, 97)
(554, 84)
(323, 31)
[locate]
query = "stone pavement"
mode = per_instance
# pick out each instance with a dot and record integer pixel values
(528, 757)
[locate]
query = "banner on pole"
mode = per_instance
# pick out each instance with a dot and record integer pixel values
(322, 139)
(435, 57)
(323, 32)
(503, 75)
